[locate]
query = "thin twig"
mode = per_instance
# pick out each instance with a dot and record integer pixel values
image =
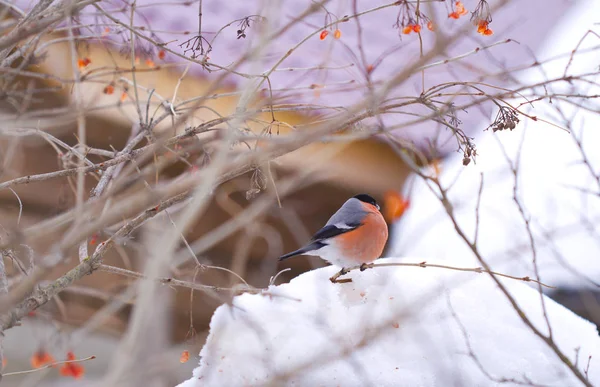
(50, 365)
(424, 264)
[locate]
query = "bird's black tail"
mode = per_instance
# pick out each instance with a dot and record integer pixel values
(311, 247)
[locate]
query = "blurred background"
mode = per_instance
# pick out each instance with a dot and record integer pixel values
(75, 76)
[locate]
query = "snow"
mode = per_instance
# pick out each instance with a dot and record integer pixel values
(392, 326)
(551, 185)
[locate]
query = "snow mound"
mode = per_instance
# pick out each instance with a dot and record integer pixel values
(392, 326)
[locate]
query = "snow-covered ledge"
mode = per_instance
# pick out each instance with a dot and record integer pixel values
(393, 326)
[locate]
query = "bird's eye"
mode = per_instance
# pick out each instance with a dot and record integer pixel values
(377, 206)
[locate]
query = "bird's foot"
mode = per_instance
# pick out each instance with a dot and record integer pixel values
(337, 275)
(366, 266)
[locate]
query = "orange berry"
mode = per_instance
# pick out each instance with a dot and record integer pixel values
(337, 34)
(109, 89)
(150, 63)
(416, 28)
(430, 26)
(40, 358)
(394, 206)
(73, 369)
(82, 63)
(407, 30)
(460, 8)
(94, 239)
(483, 28)
(162, 54)
(324, 34)
(482, 25)
(185, 356)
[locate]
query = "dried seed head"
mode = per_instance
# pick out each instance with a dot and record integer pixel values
(506, 119)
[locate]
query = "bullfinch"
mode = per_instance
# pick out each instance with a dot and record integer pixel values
(354, 236)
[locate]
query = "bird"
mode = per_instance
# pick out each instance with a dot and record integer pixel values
(354, 236)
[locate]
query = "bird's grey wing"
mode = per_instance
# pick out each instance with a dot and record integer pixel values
(351, 214)
(347, 218)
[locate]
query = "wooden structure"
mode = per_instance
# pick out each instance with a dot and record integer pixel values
(340, 170)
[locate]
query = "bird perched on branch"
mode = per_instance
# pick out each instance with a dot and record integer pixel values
(354, 236)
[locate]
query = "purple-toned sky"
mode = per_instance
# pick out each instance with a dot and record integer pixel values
(527, 22)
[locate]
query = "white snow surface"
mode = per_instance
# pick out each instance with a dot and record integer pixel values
(393, 326)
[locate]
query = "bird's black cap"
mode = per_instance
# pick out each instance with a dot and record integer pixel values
(367, 199)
